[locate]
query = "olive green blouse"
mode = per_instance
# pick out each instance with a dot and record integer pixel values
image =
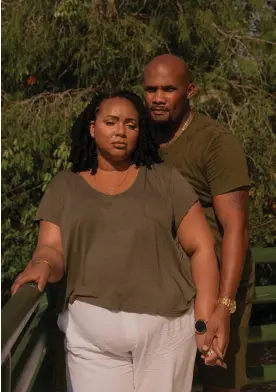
(120, 250)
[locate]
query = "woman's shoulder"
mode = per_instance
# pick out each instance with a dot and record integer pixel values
(159, 176)
(161, 169)
(60, 179)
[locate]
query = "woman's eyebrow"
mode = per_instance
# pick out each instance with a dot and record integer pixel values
(112, 116)
(117, 118)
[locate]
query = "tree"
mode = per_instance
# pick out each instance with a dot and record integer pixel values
(56, 54)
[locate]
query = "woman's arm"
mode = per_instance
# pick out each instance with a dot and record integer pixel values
(195, 237)
(47, 264)
(198, 242)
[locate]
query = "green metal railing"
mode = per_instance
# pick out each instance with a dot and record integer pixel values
(23, 340)
(28, 324)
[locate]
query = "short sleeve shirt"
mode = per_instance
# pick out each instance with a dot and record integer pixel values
(120, 250)
(214, 163)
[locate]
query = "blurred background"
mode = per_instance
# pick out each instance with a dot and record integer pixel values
(56, 54)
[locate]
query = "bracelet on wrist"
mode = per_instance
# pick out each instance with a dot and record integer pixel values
(43, 261)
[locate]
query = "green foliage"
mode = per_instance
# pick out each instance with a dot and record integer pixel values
(72, 48)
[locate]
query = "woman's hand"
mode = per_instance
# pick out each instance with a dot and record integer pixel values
(218, 330)
(49, 248)
(34, 272)
(210, 357)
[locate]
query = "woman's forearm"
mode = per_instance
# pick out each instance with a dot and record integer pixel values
(206, 277)
(54, 258)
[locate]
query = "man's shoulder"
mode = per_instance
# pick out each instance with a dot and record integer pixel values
(214, 135)
(208, 127)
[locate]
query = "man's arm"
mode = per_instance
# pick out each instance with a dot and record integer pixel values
(232, 212)
(227, 177)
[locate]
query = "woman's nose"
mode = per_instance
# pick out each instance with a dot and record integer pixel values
(121, 129)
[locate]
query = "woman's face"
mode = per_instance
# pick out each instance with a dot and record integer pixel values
(116, 129)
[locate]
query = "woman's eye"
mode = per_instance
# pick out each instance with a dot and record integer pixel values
(132, 126)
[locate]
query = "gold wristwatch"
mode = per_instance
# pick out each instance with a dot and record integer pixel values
(230, 304)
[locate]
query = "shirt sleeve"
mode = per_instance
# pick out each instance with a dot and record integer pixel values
(51, 205)
(226, 166)
(182, 195)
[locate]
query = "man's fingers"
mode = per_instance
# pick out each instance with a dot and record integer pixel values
(217, 349)
(208, 339)
(222, 344)
(221, 363)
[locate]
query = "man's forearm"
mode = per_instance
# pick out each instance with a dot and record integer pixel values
(233, 251)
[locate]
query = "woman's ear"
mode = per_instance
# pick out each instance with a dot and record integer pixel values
(92, 128)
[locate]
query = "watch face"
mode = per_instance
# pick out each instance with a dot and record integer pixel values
(201, 326)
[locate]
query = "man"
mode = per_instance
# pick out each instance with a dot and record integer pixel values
(214, 163)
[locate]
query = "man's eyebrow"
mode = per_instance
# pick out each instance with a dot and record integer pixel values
(163, 86)
(169, 86)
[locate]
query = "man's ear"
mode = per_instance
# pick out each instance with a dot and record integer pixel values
(92, 128)
(191, 90)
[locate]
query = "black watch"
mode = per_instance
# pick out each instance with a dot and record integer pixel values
(201, 326)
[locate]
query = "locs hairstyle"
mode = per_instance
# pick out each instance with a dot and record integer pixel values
(83, 153)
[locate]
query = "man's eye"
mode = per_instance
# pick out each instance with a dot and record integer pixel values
(169, 89)
(150, 89)
(110, 122)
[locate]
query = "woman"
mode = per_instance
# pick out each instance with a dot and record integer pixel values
(111, 223)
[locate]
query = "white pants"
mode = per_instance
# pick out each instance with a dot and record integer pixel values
(126, 352)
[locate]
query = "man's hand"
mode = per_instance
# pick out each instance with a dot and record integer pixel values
(210, 357)
(218, 329)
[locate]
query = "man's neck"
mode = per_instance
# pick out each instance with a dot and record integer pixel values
(165, 133)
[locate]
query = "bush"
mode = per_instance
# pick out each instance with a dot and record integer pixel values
(56, 54)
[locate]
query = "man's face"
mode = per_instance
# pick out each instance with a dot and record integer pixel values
(165, 94)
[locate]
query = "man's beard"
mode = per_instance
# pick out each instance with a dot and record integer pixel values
(164, 131)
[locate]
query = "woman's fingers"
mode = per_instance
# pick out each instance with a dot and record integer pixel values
(42, 282)
(39, 274)
(23, 278)
(211, 358)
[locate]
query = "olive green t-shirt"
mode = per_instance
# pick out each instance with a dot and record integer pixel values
(214, 163)
(119, 250)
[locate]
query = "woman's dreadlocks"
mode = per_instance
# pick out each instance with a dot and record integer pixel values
(83, 153)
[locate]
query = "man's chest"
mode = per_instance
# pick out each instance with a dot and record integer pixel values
(188, 160)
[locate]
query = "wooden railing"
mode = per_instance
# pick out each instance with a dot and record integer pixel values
(27, 320)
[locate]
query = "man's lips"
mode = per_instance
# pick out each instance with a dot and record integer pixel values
(157, 110)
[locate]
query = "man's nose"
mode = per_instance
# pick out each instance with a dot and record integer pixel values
(158, 97)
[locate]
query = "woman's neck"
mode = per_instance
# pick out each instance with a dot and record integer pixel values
(109, 166)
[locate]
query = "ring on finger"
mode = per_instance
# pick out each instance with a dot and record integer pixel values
(210, 352)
